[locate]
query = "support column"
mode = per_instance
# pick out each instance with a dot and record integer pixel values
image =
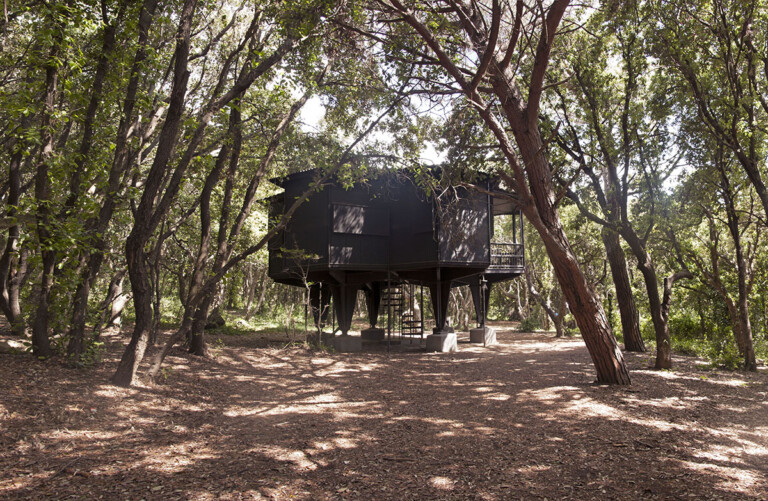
(344, 297)
(481, 296)
(441, 295)
(373, 302)
(442, 339)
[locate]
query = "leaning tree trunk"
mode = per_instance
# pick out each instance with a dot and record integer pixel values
(587, 311)
(659, 319)
(142, 304)
(630, 324)
(147, 218)
(585, 306)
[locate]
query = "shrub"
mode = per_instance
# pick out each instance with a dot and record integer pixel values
(684, 327)
(529, 324)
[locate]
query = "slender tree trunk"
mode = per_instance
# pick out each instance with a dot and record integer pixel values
(40, 342)
(742, 327)
(250, 290)
(154, 278)
(536, 295)
(562, 311)
(146, 219)
(97, 226)
(18, 279)
(12, 260)
(109, 307)
(264, 285)
(745, 326)
(735, 317)
(630, 323)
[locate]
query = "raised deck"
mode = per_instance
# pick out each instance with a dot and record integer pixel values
(507, 260)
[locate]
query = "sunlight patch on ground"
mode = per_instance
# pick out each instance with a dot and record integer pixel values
(165, 459)
(433, 420)
(727, 478)
(305, 407)
(673, 375)
(500, 397)
(552, 395)
(529, 347)
(737, 453)
(109, 391)
(534, 468)
(298, 458)
(442, 483)
(667, 403)
(590, 408)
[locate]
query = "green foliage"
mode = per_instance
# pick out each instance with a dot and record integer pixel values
(529, 324)
(684, 327)
(633, 65)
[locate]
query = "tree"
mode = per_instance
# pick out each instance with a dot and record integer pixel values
(505, 89)
(719, 50)
(624, 155)
(163, 182)
(729, 203)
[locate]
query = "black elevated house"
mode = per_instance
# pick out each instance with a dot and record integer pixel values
(386, 233)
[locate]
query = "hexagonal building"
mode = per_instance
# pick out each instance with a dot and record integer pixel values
(388, 233)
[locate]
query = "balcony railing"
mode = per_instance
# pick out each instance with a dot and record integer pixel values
(507, 255)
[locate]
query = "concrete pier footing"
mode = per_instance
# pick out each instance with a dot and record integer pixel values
(348, 344)
(443, 342)
(485, 335)
(373, 334)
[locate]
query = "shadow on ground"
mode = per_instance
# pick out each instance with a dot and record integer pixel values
(521, 419)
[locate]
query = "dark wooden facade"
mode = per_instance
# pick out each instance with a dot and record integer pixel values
(389, 230)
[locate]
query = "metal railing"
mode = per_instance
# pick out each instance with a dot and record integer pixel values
(507, 255)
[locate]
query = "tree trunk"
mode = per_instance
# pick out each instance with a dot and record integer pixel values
(13, 263)
(536, 295)
(40, 342)
(75, 347)
(630, 323)
(110, 307)
(263, 292)
(142, 303)
(97, 226)
(562, 311)
(584, 303)
(147, 219)
(197, 334)
(742, 327)
(250, 292)
(116, 312)
(745, 326)
(735, 317)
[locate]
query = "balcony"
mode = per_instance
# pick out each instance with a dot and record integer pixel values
(506, 256)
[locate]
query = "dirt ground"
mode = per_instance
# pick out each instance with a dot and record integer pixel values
(519, 420)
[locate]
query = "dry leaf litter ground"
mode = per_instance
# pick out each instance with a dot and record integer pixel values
(519, 420)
